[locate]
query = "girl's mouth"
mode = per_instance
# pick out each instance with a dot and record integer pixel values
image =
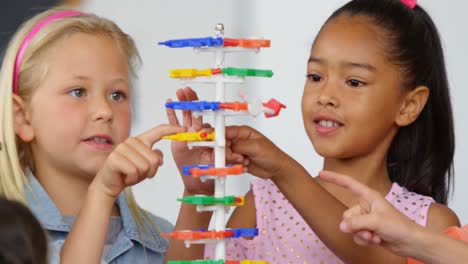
(326, 126)
(328, 123)
(100, 141)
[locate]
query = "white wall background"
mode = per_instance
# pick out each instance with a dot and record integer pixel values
(291, 25)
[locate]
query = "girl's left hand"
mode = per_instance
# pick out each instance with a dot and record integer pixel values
(196, 156)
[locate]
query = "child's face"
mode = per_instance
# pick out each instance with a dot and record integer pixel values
(81, 110)
(352, 94)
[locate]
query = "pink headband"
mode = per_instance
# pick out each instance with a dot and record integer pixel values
(30, 36)
(409, 3)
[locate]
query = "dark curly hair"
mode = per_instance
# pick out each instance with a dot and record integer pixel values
(22, 239)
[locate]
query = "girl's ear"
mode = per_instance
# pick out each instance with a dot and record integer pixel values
(21, 120)
(412, 106)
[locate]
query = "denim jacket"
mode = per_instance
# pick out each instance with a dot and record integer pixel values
(129, 247)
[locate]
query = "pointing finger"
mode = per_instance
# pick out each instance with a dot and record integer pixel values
(155, 134)
(349, 183)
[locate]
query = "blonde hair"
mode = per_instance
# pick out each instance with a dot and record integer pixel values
(15, 155)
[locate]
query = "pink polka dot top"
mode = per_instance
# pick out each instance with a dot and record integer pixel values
(284, 237)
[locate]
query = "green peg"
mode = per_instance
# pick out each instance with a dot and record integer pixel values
(247, 72)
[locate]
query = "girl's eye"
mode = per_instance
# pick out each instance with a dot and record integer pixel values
(355, 83)
(314, 77)
(118, 96)
(78, 92)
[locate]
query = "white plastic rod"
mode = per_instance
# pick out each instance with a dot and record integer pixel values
(220, 153)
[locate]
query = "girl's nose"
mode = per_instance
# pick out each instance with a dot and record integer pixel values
(102, 110)
(327, 96)
(326, 100)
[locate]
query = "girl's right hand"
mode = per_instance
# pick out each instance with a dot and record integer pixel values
(133, 161)
(195, 156)
(259, 155)
(374, 220)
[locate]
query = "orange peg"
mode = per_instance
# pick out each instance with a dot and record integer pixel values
(234, 170)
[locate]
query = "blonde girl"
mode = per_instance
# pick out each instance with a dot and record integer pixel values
(65, 116)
